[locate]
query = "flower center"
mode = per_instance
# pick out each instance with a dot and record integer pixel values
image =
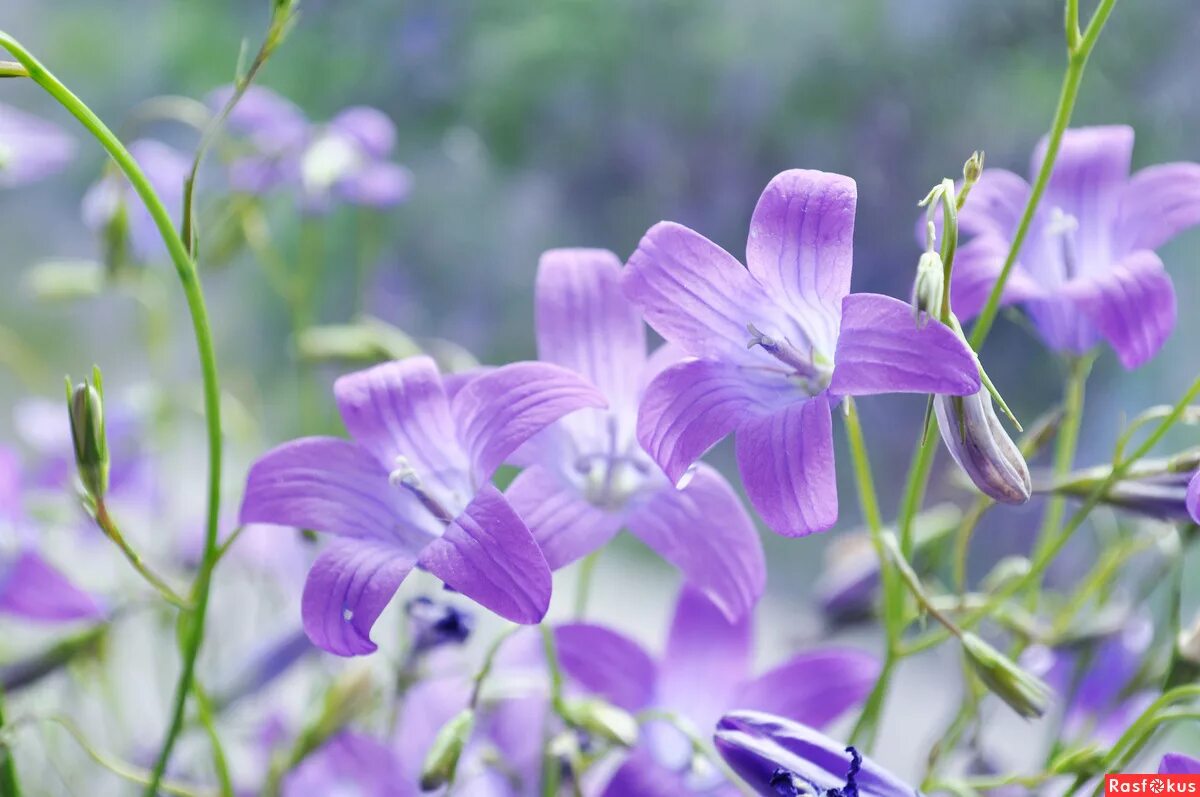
(788, 784)
(406, 477)
(614, 474)
(811, 371)
(1063, 226)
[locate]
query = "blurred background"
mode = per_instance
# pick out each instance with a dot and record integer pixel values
(555, 123)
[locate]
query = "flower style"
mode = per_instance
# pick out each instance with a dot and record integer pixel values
(30, 148)
(413, 489)
(588, 477)
(779, 757)
(704, 673)
(1087, 271)
(776, 344)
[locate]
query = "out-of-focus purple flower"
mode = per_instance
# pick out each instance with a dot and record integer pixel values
(776, 345)
(32, 589)
(434, 624)
(112, 196)
(1193, 498)
(350, 764)
(414, 488)
(588, 477)
(347, 159)
(274, 131)
(849, 580)
(1178, 764)
(267, 666)
(1087, 270)
(777, 756)
(30, 148)
(704, 673)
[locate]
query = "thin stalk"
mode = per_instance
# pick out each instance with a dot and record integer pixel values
(587, 570)
(10, 786)
(113, 532)
(489, 661)
(190, 280)
(205, 713)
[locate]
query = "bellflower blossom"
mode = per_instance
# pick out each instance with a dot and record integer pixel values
(781, 758)
(1087, 271)
(347, 159)
(413, 489)
(588, 477)
(775, 345)
(271, 133)
(704, 673)
(30, 148)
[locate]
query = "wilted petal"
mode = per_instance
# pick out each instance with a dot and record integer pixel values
(348, 587)
(501, 409)
(1132, 305)
(691, 406)
(801, 246)
(1179, 764)
(786, 462)
(331, 485)
(607, 664)
(882, 350)
(994, 205)
(489, 555)
(757, 745)
(32, 589)
(1158, 203)
(814, 688)
(977, 266)
(704, 530)
(566, 526)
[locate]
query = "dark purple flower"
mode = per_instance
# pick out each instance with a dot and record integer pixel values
(348, 160)
(30, 148)
(588, 477)
(776, 345)
(32, 589)
(1087, 270)
(351, 764)
(704, 673)
(1179, 764)
(413, 489)
(167, 169)
(772, 753)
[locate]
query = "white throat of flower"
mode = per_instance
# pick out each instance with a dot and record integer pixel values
(1063, 227)
(405, 476)
(615, 474)
(329, 159)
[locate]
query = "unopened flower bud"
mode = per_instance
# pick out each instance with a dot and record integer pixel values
(85, 407)
(1024, 693)
(1087, 760)
(1189, 643)
(442, 761)
(928, 288)
(977, 441)
(602, 719)
(973, 168)
(351, 696)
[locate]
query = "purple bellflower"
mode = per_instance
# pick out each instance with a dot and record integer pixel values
(1087, 271)
(347, 159)
(413, 489)
(1178, 764)
(776, 344)
(588, 477)
(704, 673)
(781, 758)
(271, 133)
(30, 148)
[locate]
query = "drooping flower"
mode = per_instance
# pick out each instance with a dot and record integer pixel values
(413, 489)
(30, 148)
(1087, 270)
(778, 757)
(704, 672)
(347, 159)
(979, 444)
(775, 345)
(1179, 764)
(588, 477)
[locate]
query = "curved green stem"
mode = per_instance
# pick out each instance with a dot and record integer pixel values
(185, 267)
(113, 532)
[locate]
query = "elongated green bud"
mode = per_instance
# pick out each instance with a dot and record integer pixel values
(928, 288)
(602, 719)
(85, 407)
(442, 761)
(1024, 693)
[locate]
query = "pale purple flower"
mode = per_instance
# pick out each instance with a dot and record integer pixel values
(779, 757)
(347, 160)
(704, 673)
(413, 489)
(30, 148)
(776, 345)
(350, 764)
(166, 168)
(1178, 764)
(588, 477)
(272, 132)
(1087, 270)
(32, 589)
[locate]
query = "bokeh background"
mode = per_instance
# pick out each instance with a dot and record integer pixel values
(581, 123)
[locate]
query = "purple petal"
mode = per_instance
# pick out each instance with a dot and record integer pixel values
(370, 128)
(814, 688)
(585, 323)
(10, 486)
(1179, 764)
(566, 526)
(350, 763)
(786, 462)
(399, 412)
(882, 350)
(704, 530)
(757, 744)
(427, 706)
(801, 246)
(976, 268)
(489, 555)
(500, 410)
(32, 147)
(331, 485)
(377, 184)
(32, 589)
(690, 407)
(1157, 204)
(1133, 306)
(1193, 497)
(706, 662)
(642, 775)
(274, 123)
(348, 587)
(607, 664)
(994, 206)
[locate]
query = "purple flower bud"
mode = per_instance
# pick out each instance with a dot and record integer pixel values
(977, 441)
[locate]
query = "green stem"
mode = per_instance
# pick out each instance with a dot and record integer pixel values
(551, 775)
(190, 280)
(489, 661)
(1078, 51)
(113, 532)
(587, 570)
(914, 492)
(9, 785)
(12, 69)
(205, 713)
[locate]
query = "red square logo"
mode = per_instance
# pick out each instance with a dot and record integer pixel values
(1151, 784)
